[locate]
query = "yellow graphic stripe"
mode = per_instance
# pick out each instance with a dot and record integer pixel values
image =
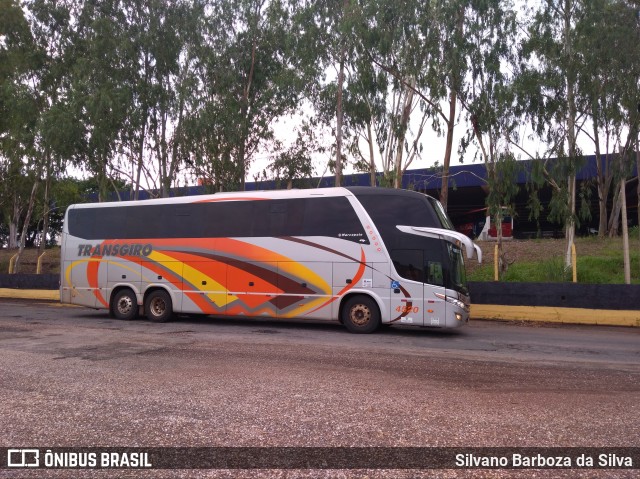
(193, 276)
(304, 273)
(67, 272)
(196, 277)
(303, 308)
(167, 261)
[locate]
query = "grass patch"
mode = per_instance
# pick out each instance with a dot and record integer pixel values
(549, 271)
(607, 270)
(29, 260)
(603, 265)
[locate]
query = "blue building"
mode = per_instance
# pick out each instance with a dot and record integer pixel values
(467, 193)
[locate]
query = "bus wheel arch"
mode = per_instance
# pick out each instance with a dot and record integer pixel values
(360, 313)
(158, 305)
(123, 303)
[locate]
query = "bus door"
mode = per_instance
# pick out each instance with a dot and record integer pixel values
(417, 297)
(435, 306)
(407, 287)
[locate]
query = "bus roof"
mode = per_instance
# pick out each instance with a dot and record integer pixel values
(258, 195)
(230, 196)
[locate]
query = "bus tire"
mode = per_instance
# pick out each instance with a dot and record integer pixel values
(124, 305)
(158, 306)
(360, 314)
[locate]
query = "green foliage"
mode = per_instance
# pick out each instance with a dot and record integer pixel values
(503, 186)
(296, 162)
(605, 267)
(159, 89)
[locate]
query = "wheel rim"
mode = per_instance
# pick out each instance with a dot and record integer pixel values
(157, 306)
(125, 305)
(360, 314)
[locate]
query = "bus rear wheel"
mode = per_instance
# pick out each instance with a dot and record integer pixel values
(158, 306)
(360, 314)
(124, 305)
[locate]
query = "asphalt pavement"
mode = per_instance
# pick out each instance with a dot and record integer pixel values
(74, 377)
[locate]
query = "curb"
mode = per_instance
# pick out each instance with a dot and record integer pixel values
(599, 317)
(38, 294)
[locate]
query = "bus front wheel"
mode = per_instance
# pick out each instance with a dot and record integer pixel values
(124, 305)
(360, 314)
(158, 306)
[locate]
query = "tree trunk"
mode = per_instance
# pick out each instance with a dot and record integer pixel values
(502, 263)
(603, 184)
(638, 171)
(372, 161)
(339, 117)
(570, 230)
(572, 114)
(136, 193)
(45, 211)
(614, 219)
(625, 232)
(13, 223)
(444, 189)
(245, 112)
(404, 121)
(145, 119)
(27, 220)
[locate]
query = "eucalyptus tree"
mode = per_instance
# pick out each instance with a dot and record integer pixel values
(609, 45)
(550, 99)
(620, 23)
(489, 103)
(47, 84)
(367, 119)
(326, 50)
(249, 76)
(296, 162)
(173, 38)
(424, 50)
(383, 99)
(18, 113)
(100, 92)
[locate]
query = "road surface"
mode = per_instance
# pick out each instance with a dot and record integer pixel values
(74, 377)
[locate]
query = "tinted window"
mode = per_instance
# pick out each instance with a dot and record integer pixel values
(424, 265)
(387, 211)
(412, 255)
(331, 216)
(409, 263)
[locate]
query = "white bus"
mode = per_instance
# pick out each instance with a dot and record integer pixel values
(361, 256)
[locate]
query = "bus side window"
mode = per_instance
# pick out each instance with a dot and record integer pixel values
(284, 218)
(408, 263)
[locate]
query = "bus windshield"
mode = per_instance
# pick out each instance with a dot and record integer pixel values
(442, 214)
(458, 276)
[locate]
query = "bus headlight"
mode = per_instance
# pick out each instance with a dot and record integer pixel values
(452, 300)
